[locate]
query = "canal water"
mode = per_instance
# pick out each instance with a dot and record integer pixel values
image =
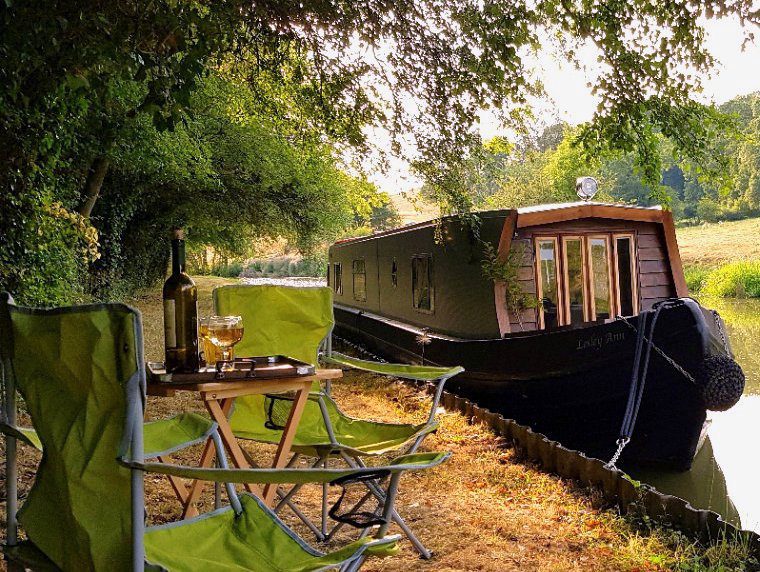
(725, 472)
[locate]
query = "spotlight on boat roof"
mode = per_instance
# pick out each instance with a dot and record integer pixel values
(586, 187)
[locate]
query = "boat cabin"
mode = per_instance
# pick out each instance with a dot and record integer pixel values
(579, 263)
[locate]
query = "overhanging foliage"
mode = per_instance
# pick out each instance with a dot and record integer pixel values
(79, 80)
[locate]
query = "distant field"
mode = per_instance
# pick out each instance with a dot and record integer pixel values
(717, 243)
(412, 210)
(707, 245)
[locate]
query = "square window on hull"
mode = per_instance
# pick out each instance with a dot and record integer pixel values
(422, 283)
(337, 278)
(359, 269)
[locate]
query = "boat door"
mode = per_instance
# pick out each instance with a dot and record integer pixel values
(585, 278)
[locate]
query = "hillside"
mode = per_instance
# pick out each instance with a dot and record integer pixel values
(708, 244)
(412, 210)
(717, 243)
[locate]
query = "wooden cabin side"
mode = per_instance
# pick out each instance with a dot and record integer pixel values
(656, 265)
(399, 263)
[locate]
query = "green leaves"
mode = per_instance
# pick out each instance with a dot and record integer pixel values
(312, 79)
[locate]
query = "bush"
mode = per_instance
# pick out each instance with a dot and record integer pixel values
(285, 267)
(45, 250)
(229, 270)
(739, 279)
(696, 277)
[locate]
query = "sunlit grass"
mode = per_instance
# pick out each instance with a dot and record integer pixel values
(735, 279)
(714, 244)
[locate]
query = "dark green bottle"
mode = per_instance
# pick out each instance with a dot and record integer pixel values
(180, 313)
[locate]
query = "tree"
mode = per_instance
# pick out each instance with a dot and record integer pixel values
(230, 175)
(537, 173)
(77, 78)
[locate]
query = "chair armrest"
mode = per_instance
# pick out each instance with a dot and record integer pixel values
(405, 371)
(285, 476)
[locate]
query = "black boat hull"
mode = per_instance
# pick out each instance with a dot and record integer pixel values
(571, 384)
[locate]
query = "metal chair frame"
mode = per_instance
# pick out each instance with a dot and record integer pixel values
(322, 532)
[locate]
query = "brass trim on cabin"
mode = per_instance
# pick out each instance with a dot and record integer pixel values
(563, 294)
(564, 239)
(606, 238)
(539, 285)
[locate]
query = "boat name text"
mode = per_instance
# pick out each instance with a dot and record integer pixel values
(598, 342)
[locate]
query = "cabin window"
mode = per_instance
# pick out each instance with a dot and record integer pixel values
(394, 273)
(599, 256)
(338, 278)
(585, 278)
(360, 280)
(548, 284)
(575, 280)
(422, 282)
(625, 276)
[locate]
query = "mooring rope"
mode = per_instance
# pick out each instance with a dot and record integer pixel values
(640, 372)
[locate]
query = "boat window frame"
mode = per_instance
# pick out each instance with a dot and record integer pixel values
(431, 287)
(354, 274)
(610, 281)
(564, 238)
(631, 236)
(337, 285)
(560, 237)
(539, 290)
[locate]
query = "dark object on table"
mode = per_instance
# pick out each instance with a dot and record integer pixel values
(259, 367)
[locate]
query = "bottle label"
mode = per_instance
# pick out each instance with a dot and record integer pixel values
(170, 324)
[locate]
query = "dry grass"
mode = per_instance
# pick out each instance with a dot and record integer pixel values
(717, 243)
(483, 510)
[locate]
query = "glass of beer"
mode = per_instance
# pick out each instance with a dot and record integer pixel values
(220, 334)
(211, 354)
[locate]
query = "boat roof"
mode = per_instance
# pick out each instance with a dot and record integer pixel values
(540, 214)
(559, 206)
(551, 213)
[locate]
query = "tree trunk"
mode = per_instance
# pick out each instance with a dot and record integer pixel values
(93, 184)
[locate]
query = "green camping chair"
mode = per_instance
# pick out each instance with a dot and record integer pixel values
(295, 321)
(81, 374)
(161, 438)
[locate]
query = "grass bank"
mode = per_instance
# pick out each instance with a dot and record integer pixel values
(714, 244)
(486, 509)
(722, 259)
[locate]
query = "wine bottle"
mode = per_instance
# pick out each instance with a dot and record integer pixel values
(180, 312)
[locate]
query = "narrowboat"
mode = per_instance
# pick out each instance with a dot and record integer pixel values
(562, 340)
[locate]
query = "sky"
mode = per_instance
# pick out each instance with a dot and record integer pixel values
(570, 100)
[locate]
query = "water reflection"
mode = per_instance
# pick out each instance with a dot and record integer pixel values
(704, 486)
(724, 475)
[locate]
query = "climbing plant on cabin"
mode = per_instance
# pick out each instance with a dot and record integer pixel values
(505, 271)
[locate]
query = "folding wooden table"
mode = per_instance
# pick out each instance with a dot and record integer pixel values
(218, 398)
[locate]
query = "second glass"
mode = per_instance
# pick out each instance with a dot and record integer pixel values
(219, 335)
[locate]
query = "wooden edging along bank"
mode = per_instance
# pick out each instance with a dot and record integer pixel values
(617, 488)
